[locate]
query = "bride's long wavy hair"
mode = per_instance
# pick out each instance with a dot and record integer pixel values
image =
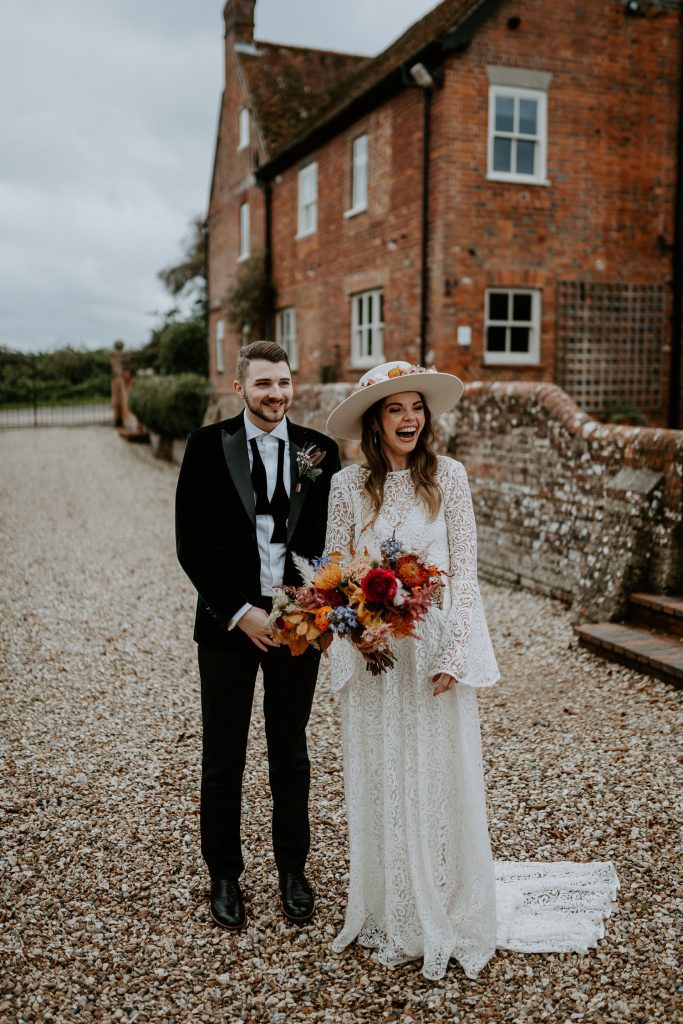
(422, 462)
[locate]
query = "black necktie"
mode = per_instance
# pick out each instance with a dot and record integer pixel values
(278, 506)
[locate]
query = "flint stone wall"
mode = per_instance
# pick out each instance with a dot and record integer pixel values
(566, 506)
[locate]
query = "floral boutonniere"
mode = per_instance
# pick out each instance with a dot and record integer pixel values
(308, 459)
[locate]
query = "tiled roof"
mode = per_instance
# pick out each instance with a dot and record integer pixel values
(314, 86)
(288, 85)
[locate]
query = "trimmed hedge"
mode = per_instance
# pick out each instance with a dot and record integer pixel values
(170, 406)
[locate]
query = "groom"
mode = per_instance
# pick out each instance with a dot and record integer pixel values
(244, 505)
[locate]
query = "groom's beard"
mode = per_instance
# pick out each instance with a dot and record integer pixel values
(267, 411)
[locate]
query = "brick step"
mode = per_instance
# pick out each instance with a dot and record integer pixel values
(654, 654)
(663, 612)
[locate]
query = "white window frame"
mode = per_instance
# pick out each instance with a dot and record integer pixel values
(219, 338)
(359, 176)
(307, 202)
(243, 128)
(245, 233)
(285, 334)
(508, 358)
(367, 325)
(540, 139)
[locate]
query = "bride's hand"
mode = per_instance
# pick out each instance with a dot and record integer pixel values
(442, 682)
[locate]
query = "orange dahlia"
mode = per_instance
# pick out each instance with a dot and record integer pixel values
(410, 572)
(328, 577)
(321, 617)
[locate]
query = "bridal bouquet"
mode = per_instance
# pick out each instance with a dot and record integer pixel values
(366, 601)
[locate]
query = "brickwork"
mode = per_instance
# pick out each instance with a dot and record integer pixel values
(604, 218)
(608, 206)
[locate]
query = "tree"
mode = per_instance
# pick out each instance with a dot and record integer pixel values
(250, 298)
(182, 348)
(189, 276)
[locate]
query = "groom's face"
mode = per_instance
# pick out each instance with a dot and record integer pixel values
(267, 391)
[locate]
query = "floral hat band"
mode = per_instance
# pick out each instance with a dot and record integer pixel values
(440, 392)
(397, 370)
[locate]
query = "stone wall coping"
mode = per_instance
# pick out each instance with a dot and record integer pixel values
(562, 408)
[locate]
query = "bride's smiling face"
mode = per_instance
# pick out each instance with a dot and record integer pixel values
(401, 421)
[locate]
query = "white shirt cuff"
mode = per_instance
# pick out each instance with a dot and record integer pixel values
(238, 615)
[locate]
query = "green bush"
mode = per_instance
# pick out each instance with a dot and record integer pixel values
(170, 406)
(68, 373)
(183, 348)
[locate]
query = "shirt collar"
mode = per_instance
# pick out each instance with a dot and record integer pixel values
(280, 431)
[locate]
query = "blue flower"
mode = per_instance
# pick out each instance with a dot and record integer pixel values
(322, 560)
(391, 549)
(342, 620)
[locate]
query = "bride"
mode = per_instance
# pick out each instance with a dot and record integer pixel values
(423, 882)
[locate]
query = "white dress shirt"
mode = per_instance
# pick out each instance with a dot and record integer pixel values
(272, 555)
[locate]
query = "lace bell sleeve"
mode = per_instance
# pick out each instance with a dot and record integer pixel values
(344, 659)
(465, 651)
(340, 522)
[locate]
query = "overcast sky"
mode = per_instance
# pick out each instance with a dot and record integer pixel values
(108, 112)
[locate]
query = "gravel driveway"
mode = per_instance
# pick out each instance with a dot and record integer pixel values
(104, 911)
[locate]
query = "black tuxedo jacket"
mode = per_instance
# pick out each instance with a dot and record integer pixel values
(216, 522)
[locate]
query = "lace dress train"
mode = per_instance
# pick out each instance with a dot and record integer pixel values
(423, 882)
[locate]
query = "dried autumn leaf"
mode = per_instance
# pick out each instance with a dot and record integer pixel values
(325, 640)
(298, 644)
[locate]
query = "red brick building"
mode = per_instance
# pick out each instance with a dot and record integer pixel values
(496, 193)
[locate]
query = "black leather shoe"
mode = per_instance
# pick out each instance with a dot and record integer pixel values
(227, 905)
(298, 901)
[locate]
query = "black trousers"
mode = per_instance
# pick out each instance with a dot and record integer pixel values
(228, 679)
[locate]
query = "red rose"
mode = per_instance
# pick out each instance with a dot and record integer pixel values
(379, 586)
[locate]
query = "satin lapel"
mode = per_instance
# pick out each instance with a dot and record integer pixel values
(296, 497)
(237, 459)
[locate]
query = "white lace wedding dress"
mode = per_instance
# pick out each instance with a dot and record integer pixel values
(423, 883)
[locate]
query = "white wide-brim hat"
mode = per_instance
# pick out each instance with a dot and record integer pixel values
(440, 391)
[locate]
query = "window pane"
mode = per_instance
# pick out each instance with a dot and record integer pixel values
(360, 310)
(360, 147)
(360, 184)
(370, 297)
(525, 157)
(381, 307)
(369, 349)
(498, 306)
(502, 154)
(519, 339)
(495, 339)
(528, 116)
(521, 307)
(505, 113)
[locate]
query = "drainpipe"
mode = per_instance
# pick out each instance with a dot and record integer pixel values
(424, 288)
(268, 260)
(425, 80)
(674, 418)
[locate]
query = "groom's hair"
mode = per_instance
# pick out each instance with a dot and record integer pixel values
(269, 350)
